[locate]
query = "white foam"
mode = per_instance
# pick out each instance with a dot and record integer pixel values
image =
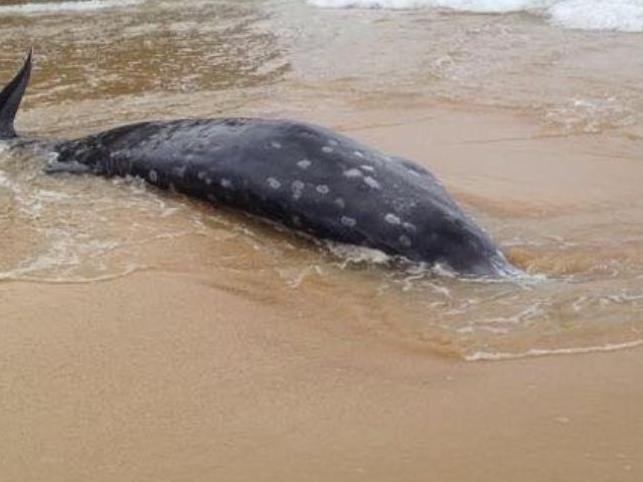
(480, 6)
(54, 7)
(495, 356)
(618, 15)
(351, 254)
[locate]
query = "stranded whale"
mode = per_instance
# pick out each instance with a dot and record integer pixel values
(300, 175)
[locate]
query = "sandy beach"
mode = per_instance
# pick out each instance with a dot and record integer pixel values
(145, 336)
(165, 376)
(185, 372)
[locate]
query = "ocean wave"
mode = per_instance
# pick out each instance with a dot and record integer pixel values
(478, 6)
(67, 6)
(617, 15)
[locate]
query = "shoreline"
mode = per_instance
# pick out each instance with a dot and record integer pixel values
(525, 188)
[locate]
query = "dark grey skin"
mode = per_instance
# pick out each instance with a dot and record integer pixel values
(302, 176)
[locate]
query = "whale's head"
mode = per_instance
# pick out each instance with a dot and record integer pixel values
(454, 240)
(10, 98)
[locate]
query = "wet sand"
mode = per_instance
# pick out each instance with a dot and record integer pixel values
(191, 371)
(163, 376)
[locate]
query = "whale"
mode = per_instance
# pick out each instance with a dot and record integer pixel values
(299, 175)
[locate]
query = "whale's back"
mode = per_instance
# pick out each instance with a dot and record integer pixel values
(300, 175)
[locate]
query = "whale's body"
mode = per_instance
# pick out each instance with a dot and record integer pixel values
(302, 176)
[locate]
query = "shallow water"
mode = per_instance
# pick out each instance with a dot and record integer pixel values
(535, 129)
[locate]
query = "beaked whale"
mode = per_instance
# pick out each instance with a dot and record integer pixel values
(300, 175)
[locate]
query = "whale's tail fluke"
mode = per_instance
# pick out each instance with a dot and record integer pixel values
(10, 98)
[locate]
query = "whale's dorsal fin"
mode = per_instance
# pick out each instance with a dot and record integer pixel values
(10, 98)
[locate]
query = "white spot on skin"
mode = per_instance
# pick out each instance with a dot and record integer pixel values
(333, 142)
(392, 219)
(275, 145)
(353, 173)
(304, 164)
(409, 227)
(208, 181)
(358, 153)
(340, 202)
(153, 175)
(297, 188)
(202, 175)
(323, 189)
(226, 183)
(372, 182)
(327, 149)
(405, 240)
(346, 221)
(273, 183)
(367, 168)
